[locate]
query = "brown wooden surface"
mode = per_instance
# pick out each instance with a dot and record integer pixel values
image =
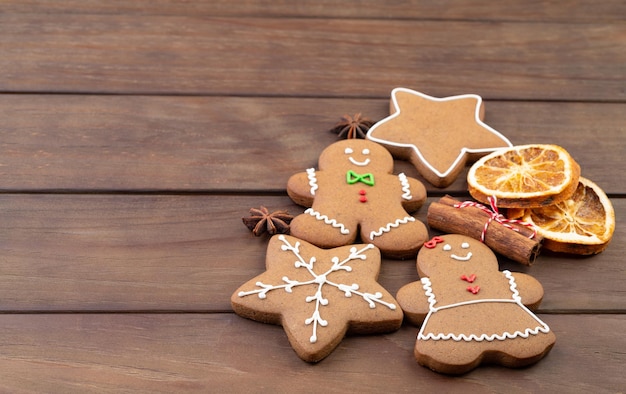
(270, 56)
(135, 135)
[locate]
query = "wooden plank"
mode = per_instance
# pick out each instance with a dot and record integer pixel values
(225, 144)
(121, 252)
(309, 57)
(190, 253)
(576, 11)
(223, 352)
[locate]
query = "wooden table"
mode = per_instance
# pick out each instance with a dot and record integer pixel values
(134, 136)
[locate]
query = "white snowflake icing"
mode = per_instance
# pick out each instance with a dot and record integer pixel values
(319, 281)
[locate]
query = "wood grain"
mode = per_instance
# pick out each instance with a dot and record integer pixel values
(190, 253)
(577, 11)
(223, 352)
(234, 144)
(205, 55)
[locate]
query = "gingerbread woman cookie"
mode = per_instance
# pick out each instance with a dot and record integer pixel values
(354, 192)
(470, 312)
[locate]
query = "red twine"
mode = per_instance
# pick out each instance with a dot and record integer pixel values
(495, 215)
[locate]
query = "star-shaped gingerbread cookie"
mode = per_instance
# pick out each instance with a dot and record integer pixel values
(437, 135)
(318, 295)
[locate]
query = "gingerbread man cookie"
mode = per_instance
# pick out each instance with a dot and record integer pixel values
(354, 192)
(319, 295)
(437, 135)
(470, 312)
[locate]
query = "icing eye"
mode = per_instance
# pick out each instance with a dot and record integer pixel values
(447, 247)
(465, 245)
(366, 151)
(348, 151)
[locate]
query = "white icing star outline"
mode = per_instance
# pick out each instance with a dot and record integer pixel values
(464, 150)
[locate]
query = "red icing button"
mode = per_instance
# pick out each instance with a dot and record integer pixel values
(473, 290)
(469, 279)
(362, 192)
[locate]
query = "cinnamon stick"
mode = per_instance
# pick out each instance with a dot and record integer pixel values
(470, 221)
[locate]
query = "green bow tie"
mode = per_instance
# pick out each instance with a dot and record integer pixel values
(352, 178)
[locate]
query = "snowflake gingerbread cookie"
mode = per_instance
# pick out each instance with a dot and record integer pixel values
(470, 312)
(355, 193)
(318, 295)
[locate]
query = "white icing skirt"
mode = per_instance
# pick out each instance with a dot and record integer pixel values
(488, 320)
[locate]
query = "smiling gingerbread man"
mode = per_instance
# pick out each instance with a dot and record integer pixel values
(355, 193)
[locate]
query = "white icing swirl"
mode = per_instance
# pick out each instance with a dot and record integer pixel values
(406, 188)
(328, 220)
(312, 180)
(389, 226)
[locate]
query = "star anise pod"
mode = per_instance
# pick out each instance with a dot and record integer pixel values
(261, 221)
(352, 127)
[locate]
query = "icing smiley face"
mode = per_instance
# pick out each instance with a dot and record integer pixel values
(445, 255)
(364, 152)
(464, 245)
(356, 154)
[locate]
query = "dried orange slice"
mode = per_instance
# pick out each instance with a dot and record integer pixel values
(525, 176)
(582, 224)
